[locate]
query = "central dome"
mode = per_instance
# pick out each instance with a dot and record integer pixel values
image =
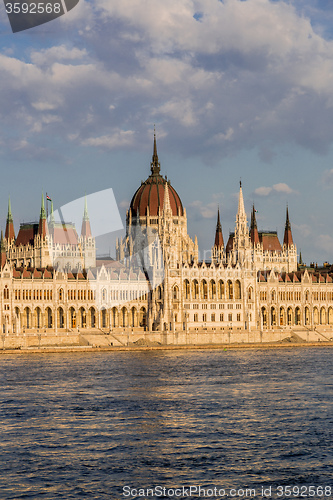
(151, 193)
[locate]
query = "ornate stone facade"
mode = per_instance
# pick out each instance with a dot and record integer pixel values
(158, 283)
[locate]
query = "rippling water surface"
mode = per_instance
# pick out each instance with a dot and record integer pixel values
(84, 425)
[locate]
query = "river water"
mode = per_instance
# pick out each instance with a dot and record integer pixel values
(110, 425)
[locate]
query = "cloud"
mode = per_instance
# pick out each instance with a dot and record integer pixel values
(57, 53)
(263, 191)
(117, 140)
(215, 76)
(280, 188)
(208, 211)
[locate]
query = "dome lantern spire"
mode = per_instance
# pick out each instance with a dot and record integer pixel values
(155, 164)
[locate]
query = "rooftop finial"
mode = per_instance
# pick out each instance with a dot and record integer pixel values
(85, 212)
(155, 164)
(9, 214)
(42, 210)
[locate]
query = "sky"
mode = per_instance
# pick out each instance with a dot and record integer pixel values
(237, 89)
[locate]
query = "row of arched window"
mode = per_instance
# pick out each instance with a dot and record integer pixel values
(81, 318)
(296, 316)
(212, 290)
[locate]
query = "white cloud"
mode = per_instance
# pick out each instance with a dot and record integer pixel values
(56, 53)
(248, 74)
(263, 191)
(208, 211)
(280, 188)
(118, 139)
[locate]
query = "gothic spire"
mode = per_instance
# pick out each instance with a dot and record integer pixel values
(253, 228)
(42, 210)
(9, 233)
(85, 212)
(288, 237)
(241, 209)
(219, 243)
(300, 262)
(51, 217)
(85, 229)
(42, 228)
(241, 240)
(155, 164)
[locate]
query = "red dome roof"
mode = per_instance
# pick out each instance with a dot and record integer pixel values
(151, 193)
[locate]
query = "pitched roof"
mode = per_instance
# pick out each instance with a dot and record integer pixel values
(270, 241)
(26, 234)
(64, 234)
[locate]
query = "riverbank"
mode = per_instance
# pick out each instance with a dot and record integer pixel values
(126, 340)
(224, 347)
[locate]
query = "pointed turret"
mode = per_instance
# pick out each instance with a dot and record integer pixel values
(300, 261)
(10, 233)
(155, 164)
(42, 227)
(253, 228)
(2, 251)
(288, 237)
(241, 240)
(85, 230)
(219, 243)
(241, 230)
(218, 248)
(51, 216)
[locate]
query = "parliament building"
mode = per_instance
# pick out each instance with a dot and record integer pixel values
(51, 280)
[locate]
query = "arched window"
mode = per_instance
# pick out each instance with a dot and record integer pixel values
(143, 317)
(282, 317)
(250, 293)
(238, 293)
(307, 316)
(330, 316)
(297, 316)
(104, 295)
(61, 294)
(212, 290)
(175, 292)
(230, 292)
(187, 289)
(195, 289)
(103, 318)
(264, 316)
(92, 317)
(315, 316)
(204, 290)
(221, 289)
